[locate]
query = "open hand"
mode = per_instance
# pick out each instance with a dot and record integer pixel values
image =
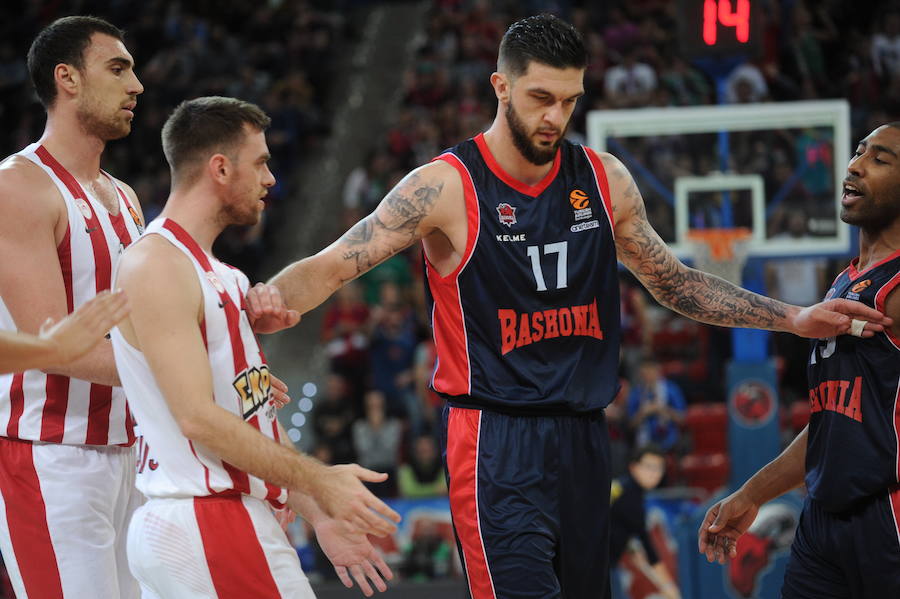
(352, 555)
(77, 333)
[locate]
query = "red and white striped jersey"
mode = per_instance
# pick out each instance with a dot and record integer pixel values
(170, 464)
(54, 408)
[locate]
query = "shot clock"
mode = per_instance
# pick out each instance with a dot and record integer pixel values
(719, 28)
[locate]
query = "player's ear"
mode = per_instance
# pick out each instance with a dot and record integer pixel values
(501, 84)
(67, 77)
(219, 168)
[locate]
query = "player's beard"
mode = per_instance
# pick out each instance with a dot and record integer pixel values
(522, 139)
(873, 217)
(90, 117)
(240, 211)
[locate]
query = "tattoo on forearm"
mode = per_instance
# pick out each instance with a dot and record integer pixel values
(393, 226)
(691, 292)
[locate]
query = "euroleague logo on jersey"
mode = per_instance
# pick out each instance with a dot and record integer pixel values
(506, 214)
(861, 285)
(581, 203)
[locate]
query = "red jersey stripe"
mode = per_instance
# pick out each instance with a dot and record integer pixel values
(453, 372)
(463, 435)
(236, 561)
(602, 185)
(28, 529)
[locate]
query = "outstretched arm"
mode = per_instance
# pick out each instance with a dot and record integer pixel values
(413, 209)
(708, 298)
(730, 518)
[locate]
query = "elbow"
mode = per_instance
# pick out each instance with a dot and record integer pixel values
(191, 426)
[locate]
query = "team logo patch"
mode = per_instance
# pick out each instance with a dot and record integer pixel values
(581, 203)
(84, 209)
(753, 403)
(830, 294)
(215, 282)
(136, 219)
(506, 214)
(861, 285)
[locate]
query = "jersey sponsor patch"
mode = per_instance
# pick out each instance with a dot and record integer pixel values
(591, 224)
(518, 330)
(253, 387)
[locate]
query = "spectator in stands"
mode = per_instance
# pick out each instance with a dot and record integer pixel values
(746, 85)
(345, 333)
(428, 555)
(886, 48)
(391, 355)
(628, 515)
(332, 419)
(656, 407)
(376, 439)
(631, 83)
(423, 475)
(636, 329)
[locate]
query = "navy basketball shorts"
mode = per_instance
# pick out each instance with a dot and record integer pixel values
(847, 555)
(529, 497)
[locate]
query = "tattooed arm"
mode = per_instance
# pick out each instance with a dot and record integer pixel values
(703, 296)
(420, 205)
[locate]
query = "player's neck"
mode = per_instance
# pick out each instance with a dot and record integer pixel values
(75, 149)
(195, 213)
(875, 247)
(500, 143)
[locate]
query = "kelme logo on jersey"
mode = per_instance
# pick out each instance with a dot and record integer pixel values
(581, 203)
(253, 387)
(506, 214)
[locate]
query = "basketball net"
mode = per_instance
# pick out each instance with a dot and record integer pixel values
(720, 252)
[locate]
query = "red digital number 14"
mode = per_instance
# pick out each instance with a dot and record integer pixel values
(720, 11)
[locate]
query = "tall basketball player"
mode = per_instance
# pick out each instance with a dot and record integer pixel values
(59, 343)
(211, 464)
(521, 232)
(848, 541)
(66, 461)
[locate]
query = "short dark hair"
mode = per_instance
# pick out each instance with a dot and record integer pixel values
(543, 38)
(202, 127)
(63, 42)
(638, 453)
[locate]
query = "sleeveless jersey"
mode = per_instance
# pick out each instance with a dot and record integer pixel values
(529, 320)
(170, 464)
(58, 409)
(852, 450)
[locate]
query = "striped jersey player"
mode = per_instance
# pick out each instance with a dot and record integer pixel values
(66, 434)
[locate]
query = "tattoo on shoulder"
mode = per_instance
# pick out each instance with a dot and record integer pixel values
(393, 225)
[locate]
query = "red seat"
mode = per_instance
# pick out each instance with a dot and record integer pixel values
(705, 471)
(707, 424)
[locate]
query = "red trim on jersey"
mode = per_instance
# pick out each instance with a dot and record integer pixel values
(26, 517)
(453, 370)
(602, 184)
(16, 405)
(855, 273)
(463, 435)
(529, 190)
(236, 560)
(894, 498)
(880, 298)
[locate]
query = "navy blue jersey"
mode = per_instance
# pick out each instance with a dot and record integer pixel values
(529, 321)
(853, 430)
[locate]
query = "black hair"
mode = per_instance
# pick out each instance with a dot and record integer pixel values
(63, 42)
(543, 38)
(638, 453)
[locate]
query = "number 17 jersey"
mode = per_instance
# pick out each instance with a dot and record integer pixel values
(529, 320)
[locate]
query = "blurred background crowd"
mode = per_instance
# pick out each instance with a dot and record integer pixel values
(375, 407)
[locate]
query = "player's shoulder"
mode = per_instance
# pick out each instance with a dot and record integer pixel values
(27, 195)
(153, 257)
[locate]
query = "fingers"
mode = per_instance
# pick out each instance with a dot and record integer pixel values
(279, 391)
(376, 525)
(254, 301)
(855, 309)
(344, 577)
(360, 579)
(372, 574)
(48, 324)
(382, 566)
(369, 476)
